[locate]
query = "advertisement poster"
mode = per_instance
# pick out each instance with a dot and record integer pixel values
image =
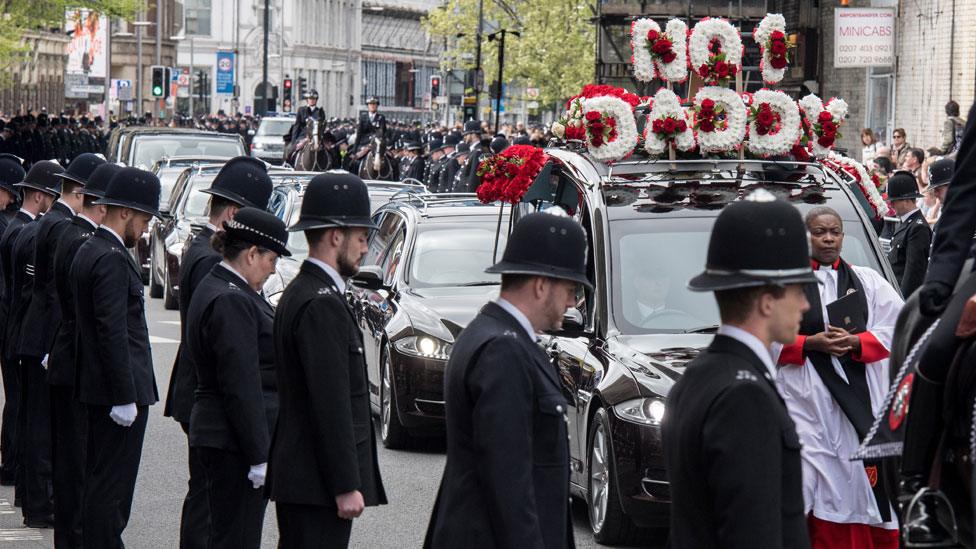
(86, 50)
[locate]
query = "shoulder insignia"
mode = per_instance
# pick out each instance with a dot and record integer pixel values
(510, 333)
(745, 375)
(233, 286)
(325, 290)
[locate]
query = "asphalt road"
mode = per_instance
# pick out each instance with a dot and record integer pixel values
(411, 479)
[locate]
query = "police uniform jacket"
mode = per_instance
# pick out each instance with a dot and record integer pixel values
(910, 251)
(61, 364)
(434, 174)
(43, 315)
(506, 482)
(415, 168)
(304, 114)
(114, 361)
(198, 259)
(470, 180)
(22, 284)
(229, 337)
(323, 445)
(367, 128)
(732, 456)
(451, 168)
(10, 235)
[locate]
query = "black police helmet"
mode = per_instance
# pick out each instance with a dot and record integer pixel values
(312, 94)
(499, 144)
(543, 244)
(940, 172)
(99, 179)
(244, 181)
(373, 99)
(756, 242)
(902, 186)
(81, 168)
(463, 148)
(435, 144)
(472, 126)
(43, 176)
(11, 173)
(133, 188)
(334, 199)
(451, 140)
(260, 228)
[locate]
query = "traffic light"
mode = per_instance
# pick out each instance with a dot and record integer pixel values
(158, 81)
(301, 86)
(286, 96)
(435, 86)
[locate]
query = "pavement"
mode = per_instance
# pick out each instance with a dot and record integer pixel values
(411, 478)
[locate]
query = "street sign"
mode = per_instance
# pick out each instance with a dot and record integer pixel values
(864, 37)
(87, 88)
(225, 72)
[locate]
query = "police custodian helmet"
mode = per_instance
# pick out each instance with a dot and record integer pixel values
(543, 244)
(260, 228)
(334, 199)
(756, 242)
(940, 173)
(133, 188)
(44, 176)
(244, 181)
(902, 185)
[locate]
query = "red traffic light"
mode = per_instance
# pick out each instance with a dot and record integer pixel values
(287, 83)
(435, 82)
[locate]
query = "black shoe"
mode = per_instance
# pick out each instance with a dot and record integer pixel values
(922, 528)
(44, 522)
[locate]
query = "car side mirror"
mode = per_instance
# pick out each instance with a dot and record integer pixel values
(369, 277)
(573, 323)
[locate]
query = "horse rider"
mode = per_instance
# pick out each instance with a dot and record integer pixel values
(305, 113)
(370, 122)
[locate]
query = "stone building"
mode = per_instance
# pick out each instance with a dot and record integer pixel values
(37, 82)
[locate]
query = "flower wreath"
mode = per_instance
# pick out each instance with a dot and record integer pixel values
(664, 54)
(859, 173)
(667, 125)
(570, 125)
(716, 133)
(611, 131)
(715, 50)
(774, 123)
(824, 122)
(770, 34)
(506, 176)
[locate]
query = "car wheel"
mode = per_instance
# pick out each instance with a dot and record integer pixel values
(608, 521)
(392, 433)
(169, 300)
(155, 288)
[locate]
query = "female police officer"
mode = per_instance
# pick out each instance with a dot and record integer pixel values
(229, 337)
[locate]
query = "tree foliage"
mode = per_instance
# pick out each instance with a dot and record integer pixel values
(555, 52)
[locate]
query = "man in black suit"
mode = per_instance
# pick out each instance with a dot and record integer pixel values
(242, 181)
(472, 136)
(909, 255)
(323, 468)
(414, 163)
(11, 173)
(114, 377)
(506, 479)
(68, 416)
(731, 448)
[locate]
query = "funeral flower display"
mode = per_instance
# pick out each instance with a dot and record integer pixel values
(715, 51)
(611, 131)
(506, 176)
(770, 34)
(774, 123)
(667, 125)
(720, 119)
(824, 122)
(661, 54)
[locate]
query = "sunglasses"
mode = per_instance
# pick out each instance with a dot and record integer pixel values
(896, 136)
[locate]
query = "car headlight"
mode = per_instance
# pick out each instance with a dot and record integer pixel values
(424, 347)
(258, 145)
(646, 411)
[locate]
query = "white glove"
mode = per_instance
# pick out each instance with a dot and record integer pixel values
(256, 474)
(125, 414)
(44, 361)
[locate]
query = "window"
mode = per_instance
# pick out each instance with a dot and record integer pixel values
(379, 238)
(198, 17)
(393, 255)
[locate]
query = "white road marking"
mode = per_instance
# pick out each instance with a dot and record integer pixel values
(20, 534)
(158, 339)
(173, 322)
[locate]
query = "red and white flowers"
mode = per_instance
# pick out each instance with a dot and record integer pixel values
(506, 176)
(824, 122)
(667, 125)
(715, 51)
(864, 180)
(774, 123)
(611, 131)
(720, 119)
(770, 34)
(657, 53)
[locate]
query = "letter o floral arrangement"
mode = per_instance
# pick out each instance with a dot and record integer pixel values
(770, 34)
(661, 54)
(611, 131)
(715, 51)
(667, 124)
(714, 133)
(774, 123)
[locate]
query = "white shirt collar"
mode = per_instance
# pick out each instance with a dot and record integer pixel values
(753, 343)
(227, 266)
(211, 226)
(70, 209)
(30, 215)
(905, 217)
(115, 234)
(519, 316)
(88, 220)
(334, 274)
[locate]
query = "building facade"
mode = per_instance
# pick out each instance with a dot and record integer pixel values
(37, 82)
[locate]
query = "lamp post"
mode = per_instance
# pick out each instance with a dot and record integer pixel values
(139, 25)
(183, 36)
(500, 36)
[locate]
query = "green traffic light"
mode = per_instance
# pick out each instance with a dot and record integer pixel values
(157, 90)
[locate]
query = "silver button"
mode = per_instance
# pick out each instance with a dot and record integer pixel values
(559, 408)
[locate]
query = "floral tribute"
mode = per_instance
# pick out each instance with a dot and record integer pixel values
(611, 131)
(657, 53)
(824, 122)
(506, 176)
(571, 126)
(856, 171)
(715, 51)
(667, 125)
(770, 34)
(774, 123)
(720, 119)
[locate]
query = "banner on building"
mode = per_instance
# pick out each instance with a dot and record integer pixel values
(86, 51)
(225, 72)
(864, 37)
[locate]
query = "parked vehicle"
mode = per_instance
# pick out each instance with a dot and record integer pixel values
(268, 142)
(142, 146)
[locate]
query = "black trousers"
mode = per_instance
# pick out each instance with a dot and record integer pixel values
(236, 507)
(112, 460)
(8, 424)
(37, 497)
(311, 527)
(69, 427)
(195, 517)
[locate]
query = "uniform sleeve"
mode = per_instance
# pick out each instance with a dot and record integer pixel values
(884, 304)
(792, 354)
(744, 454)
(110, 276)
(916, 258)
(503, 406)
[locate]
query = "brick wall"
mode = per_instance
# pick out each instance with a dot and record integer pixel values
(847, 84)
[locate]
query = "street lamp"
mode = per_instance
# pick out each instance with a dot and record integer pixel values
(500, 36)
(138, 25)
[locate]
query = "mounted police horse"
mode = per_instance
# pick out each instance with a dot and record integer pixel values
(316, 153)
(376, 162)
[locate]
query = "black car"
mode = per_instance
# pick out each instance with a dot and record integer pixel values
(143, 146)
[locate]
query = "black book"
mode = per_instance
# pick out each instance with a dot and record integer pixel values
(848, 313)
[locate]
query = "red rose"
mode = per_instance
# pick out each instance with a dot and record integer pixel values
(575, 133)
(661, 46)
(706, 126)
(826, 142)
(777, 47)
(761, 130)
(613, 135)
(669, 125)
(778, 62)
(777, 35)
(596, 127)
(824, 116)
(612, 122)
(597, 140)
(765, 118)
(593, 116)
(657, 126)
(703, 70)
(722, 69)
(652, 35)
(829, 127)
(707, 104)
(669, 57)
(682, 126)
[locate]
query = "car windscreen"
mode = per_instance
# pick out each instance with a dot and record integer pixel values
(148, 149)
(196, 203)
(454, 254)
(274, 127)
(653, 260)
(167, 180)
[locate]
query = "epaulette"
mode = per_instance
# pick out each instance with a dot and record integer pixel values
(746, 375)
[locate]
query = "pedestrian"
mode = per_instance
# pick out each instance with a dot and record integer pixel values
(68, 416)
(323, 468)
(11, 173)
(229, 337)
(870, 145)
(833, 378)
(115, 379)
(505, 483)
(913, 160)
(912, 236)
(899, 146)
(731, 449)
(952, 128)
(242, 181)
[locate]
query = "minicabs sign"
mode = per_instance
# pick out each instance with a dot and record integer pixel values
(864, 37)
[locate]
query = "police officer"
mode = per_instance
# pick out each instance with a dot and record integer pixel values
(442, 183)
(242, 181)
(229, 337)
(115, 377)
(414, 163)
(506, 479)
(911, 238)
(68, 415)
(311, 110)
(731, 449)
(323, 468)
(451, 176)
(472, 136)
(11, 173)
(370, 122)
(940, 174)
(435, 155)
